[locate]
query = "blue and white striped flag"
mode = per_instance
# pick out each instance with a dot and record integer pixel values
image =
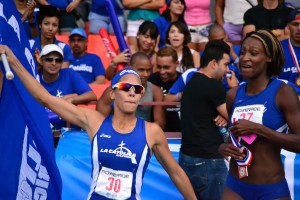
(27, 165)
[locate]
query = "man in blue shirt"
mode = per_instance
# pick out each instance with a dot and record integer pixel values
(62, 83)
(291, 48)
(88, 65)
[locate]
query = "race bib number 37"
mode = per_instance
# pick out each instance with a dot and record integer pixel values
(114, 184)
(252, 113)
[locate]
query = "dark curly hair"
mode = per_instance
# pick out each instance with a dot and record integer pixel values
(47, 11)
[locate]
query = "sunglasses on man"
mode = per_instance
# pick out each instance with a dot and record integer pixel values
(50, 59)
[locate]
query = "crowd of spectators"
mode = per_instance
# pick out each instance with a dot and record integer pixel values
(184, 26)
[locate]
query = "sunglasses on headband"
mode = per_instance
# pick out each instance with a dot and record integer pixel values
(50, 59)
(125, 86)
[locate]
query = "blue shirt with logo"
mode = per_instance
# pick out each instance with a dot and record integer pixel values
(289, 71)
(88, 66)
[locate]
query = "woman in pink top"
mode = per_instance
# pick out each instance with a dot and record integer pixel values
(198, 18)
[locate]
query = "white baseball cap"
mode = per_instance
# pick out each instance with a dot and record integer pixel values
(51, 48)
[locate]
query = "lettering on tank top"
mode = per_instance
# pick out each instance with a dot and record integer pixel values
(121, 151)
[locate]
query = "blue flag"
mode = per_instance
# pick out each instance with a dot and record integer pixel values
(27, 165)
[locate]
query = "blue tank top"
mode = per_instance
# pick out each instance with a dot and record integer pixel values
(260, 108)
(119, 162)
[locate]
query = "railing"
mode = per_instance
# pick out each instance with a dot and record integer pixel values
(154, 103)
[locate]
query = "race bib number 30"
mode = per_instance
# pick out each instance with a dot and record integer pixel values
(114, 184)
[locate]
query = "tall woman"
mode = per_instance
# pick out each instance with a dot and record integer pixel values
(260, 115)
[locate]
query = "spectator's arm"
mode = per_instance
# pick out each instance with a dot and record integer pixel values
(281, 34)
(233, 55)
(219, 10)
(153, 62)
(175, 92)
(28, 15)
(103, 104)
(110, 71)
(134, 3)
(37, 56)
(247, 29)
(223, 111)
(154, 5)
(173, 97)
(99, 80)
(196, 58)
(220, 121)
(28, 11)
(144, 4)
(73, 5)
(43, 2)
(123, 57)
(232, 80)
(80, 99)
(65, 64)
(157, 42)
(159, 114)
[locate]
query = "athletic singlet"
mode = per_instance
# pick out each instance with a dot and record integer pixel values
(119, 162)
(260, 108)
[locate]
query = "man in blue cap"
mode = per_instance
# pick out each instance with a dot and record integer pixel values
(88, 65)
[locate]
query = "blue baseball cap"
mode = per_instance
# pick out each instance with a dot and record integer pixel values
(294, 15)
(78, 31)
(122, 73)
